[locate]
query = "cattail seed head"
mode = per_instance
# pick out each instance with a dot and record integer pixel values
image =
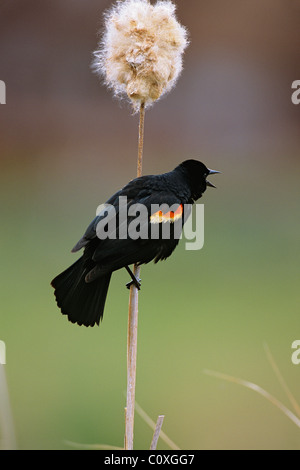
(140, 54)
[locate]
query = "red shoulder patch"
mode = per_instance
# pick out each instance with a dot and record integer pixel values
(171, 216)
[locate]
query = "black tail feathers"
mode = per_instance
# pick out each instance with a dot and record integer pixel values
(82, 302)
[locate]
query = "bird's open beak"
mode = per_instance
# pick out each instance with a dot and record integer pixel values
(211, 172)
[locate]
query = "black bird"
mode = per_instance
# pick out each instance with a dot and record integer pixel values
(81, 289)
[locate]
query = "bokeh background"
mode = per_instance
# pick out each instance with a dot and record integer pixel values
(66, 145)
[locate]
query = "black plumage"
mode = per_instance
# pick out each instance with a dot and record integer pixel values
(81, 289)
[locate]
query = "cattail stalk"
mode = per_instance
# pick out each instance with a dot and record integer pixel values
(140, 58)
(7, 434)
(133, 318)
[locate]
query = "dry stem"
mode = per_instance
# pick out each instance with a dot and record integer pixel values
(152, 425)
(259, 390)
(141, 140)
(156, 434)
(282, 382)
(7, 435)
(133, 318)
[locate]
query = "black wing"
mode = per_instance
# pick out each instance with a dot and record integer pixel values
(138, 188)
(113, 252)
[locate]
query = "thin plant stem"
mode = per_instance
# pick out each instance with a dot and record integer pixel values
(133, 317)
(141, 140)
(281, 380)
(258, 389)
(7, 434)
(78, 445)
(152, 425)
(156, 434)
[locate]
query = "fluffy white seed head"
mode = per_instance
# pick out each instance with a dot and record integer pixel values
(140, 54)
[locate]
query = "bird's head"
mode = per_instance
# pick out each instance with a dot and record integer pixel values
(197, 173)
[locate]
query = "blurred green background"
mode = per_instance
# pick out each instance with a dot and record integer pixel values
(66, 145)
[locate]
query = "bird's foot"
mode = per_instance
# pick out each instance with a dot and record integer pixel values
(134, 281)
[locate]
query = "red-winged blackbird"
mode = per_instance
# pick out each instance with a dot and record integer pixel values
(81, 289)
